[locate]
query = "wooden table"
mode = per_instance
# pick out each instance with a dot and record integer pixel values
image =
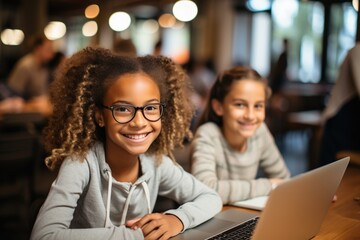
(343, 219)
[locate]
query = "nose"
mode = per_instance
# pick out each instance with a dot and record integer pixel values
(249, 113)
(139, 120)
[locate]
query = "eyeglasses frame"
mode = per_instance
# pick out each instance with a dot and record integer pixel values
(111, 108)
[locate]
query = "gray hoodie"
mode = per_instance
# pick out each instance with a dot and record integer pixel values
(85, 202)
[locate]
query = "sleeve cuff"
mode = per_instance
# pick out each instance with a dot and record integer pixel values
(180, 215)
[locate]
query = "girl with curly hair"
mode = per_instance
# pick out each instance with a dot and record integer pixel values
(232, 141)
(115, 122)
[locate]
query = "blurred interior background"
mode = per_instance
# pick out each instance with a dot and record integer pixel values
(315, 34)
(226, 32)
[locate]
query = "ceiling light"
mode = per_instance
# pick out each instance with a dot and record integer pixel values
(119, 21)
(90, 29)
(92, 11)
(55, 30)
(12, 36)
(185, 10)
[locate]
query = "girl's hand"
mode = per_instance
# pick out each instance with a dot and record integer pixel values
(276, 181)
(157, 226)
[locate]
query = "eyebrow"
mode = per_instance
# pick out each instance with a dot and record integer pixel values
(244, 100)
(127, 102)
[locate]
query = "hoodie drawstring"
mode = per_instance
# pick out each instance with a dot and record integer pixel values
(107, 218)
(126, 207)
(147, 195)
(127, 202)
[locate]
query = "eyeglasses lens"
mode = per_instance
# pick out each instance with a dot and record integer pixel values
(125, 113)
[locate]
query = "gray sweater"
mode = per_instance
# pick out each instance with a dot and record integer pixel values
(76, 206)
(231, 173)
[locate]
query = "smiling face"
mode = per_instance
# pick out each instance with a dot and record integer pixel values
(135, 137)
(243, 110)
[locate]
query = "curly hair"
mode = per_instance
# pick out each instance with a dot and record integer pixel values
(222, 87)
(79, 90)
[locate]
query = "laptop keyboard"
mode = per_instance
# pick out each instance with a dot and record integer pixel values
(240, 232)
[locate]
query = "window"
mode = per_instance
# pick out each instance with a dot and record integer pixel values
(302, 23)
(342, 33)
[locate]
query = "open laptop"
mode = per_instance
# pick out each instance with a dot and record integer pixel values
(294, 210)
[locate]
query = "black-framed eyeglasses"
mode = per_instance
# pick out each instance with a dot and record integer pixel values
(124, 113)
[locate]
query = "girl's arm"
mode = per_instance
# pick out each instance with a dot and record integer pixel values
(57, 213)
(198, 203)
(272, 161)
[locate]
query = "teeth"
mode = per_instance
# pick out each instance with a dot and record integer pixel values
(136, 136)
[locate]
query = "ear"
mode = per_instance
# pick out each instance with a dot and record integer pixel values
(217, 107)
(99, 117)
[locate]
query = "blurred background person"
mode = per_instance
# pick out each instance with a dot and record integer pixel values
(9, 102)
(54, 64)
(202, 75)
(341, 116)
(278, 103)
(29, 79)
(278, 76)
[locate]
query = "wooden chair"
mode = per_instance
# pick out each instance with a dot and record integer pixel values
(32, 122)
(19, 151)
